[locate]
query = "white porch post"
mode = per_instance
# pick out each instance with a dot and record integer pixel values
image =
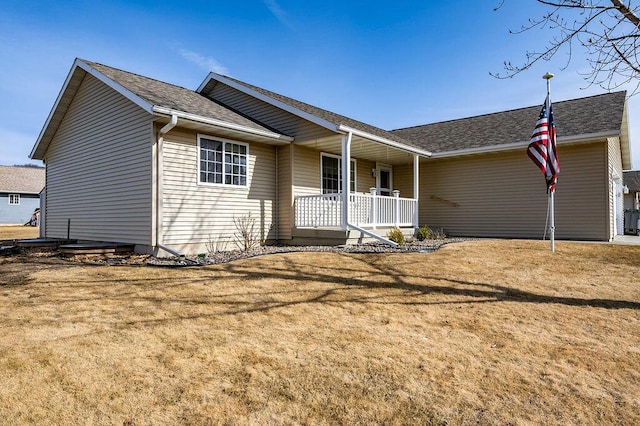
(396, 207)
(374, 207)
(416, 180)
(346, 178)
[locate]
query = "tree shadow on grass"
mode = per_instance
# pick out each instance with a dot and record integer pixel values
(301, 282)
(472, 292)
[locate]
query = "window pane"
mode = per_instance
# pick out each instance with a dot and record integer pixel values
(331, 169)
(223, 163)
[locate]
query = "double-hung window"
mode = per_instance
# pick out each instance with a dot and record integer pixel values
(14, 199)
(331, 171)
(222, 162)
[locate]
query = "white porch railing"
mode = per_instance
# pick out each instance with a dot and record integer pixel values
(365, 210)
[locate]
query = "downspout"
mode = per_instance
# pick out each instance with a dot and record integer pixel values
(159, 172)
(416, 191)
(346, 191)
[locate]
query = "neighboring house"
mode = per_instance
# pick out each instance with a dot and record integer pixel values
(19, 193)
(136, 160)
(632, 189)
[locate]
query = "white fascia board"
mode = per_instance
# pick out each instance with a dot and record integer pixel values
(562, 140)
(219, 123)
(279, 104)
(385, 141)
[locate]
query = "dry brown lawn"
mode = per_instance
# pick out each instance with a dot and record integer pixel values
(487, 332)
(12, 232)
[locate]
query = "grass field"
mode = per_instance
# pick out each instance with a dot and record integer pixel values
(486, 332)
(12, 232)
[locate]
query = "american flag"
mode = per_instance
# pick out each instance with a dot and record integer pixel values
(542, 149)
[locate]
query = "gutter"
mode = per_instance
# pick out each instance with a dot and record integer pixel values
(385, 141)
(563, 140)
(222, 124)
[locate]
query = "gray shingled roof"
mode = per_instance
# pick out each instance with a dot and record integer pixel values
(166, 95)
(21, 180)
(328, 115)
(632, 180)
(582, 116)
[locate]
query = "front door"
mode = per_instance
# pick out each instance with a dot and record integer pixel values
(384, 181)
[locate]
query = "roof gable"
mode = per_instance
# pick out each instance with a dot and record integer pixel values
(22, 180)
(324, 118)
(632, 180)
(149, 94)
(172, 97)
(600, 114)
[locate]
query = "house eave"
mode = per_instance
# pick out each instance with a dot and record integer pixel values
(562, 140)
(264, 135)
(275, 102)
(407, 148)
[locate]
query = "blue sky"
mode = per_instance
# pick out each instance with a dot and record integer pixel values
(390, 64)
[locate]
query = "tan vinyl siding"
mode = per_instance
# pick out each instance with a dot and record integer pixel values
(200, 215)
(503, 195)
(614, 156)
(615, 172)
(99, 169)
(276, 118)
(307, 179)
(403, 179)
(364, 177)
(285, 191)
(306, 176)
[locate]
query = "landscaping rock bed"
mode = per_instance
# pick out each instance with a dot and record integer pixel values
(114, 259)
(426, 246)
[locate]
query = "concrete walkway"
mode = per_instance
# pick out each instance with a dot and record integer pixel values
(622, 240)
(626, 240)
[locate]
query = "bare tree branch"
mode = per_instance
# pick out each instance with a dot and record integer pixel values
(608, 31)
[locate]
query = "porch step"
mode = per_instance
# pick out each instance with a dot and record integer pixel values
(96, 247)
(43, 242)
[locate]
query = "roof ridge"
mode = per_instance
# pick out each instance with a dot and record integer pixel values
(91, 63)
(509, 110)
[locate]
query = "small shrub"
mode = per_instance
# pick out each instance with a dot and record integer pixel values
(216, 244)
(438, 234)
(423, 233)
(396, 235)
(247, 236)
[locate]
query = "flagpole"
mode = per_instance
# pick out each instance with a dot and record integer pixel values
(552, 226)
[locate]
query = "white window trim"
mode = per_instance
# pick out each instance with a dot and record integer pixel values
(14, 197)
(222, 184)
(354, 163)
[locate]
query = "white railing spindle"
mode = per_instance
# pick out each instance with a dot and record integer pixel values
(366, 210)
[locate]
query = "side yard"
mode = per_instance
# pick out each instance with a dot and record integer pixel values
(479, 332)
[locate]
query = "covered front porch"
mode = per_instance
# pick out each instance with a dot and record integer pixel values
(383, 189)
(364, 210)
